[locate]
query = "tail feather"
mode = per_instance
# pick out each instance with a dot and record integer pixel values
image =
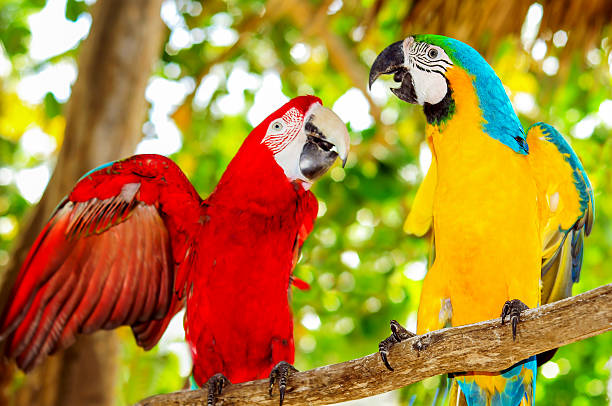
(456, 397)
(513, 387)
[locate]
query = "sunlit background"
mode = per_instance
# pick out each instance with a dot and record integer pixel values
(362, 268)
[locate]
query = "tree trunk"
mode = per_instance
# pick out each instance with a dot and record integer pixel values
(103, 123)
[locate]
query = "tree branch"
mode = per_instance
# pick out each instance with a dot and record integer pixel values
(485, 346)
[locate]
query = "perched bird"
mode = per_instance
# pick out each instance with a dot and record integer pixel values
(509, 212)
(134, 242)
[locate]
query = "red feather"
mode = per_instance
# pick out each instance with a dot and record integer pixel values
(133, 242)
(104, 259)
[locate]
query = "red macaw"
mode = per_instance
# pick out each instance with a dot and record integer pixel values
(134, 242)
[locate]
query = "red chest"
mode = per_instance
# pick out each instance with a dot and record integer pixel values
(238, 318)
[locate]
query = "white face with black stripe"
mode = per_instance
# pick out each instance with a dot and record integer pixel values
(427, 65)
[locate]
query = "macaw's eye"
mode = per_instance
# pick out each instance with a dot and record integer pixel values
(277, 126)
(432, 53)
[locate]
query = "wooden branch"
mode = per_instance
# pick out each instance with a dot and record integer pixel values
(485, 346)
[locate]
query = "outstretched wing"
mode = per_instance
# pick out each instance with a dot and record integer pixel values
(115, 252)
(566, 206)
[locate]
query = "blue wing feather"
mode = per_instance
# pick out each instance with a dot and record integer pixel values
(106, 165)
(581, 180)
(561, 270)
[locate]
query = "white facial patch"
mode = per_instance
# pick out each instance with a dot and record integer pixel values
(287, 143)
(283, 130)
(427, 65)
(429, 87)
(289, 158)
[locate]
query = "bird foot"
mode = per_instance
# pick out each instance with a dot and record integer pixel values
(398, 334)
(280, 373)
(513, 309)
(215, 384)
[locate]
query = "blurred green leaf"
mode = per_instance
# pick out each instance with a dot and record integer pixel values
(74, 8)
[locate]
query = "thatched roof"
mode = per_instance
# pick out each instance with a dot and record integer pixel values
(585, 21)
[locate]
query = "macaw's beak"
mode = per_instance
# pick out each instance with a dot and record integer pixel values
(326, 140)
(392, 61)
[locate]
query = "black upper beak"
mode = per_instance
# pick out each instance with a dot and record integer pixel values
(391, 59)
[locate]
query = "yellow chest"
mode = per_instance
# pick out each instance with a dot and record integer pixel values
(485, 218)
(484, 189)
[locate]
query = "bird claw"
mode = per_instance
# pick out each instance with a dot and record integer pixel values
(280, 373)
(513, 309)
(398, 334)
(215, 384)
(383, 350)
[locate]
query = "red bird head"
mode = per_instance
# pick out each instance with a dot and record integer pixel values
(303, 137)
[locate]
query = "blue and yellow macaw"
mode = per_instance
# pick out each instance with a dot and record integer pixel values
(509, 212)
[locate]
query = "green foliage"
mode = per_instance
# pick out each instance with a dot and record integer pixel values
(14, 31)
(364, 205)
(74, 8)
(146, 372)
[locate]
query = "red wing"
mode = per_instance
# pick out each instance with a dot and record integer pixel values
(109, 256)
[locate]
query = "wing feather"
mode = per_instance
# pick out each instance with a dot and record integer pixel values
(567, 211)
(106, 258)
(420, 217)
(140, 294)
(111, 291)
(125, 301)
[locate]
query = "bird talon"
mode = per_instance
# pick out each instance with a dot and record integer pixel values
(215, 384)
(395, 331)
(513, 309)
(515, 321)
(281, 373)
(383, 350)
(505, 312)
(398, 334)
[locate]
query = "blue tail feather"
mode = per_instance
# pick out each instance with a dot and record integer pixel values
(193, 385)
(520, 384)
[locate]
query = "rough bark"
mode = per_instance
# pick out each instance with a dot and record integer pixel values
(103, 123)
(485, 346)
